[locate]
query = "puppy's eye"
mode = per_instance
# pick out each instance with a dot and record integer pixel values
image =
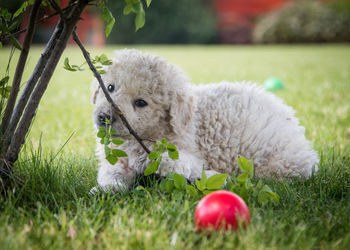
(140, 103)
(110, 88)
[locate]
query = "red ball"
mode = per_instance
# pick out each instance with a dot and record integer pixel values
(221, 210)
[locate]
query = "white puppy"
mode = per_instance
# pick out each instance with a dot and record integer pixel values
(211, 124)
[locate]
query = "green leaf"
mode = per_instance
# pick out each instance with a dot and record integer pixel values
(103, 59)
(107, 150)
(164, 141)
(107, 17)
(216, 181)
(151, 168)
(127, 9)
(242, 178)
(4, 81)
(171, 147)
(153, 155)
(148, 3)
(170, 175)
(117, 141)
(101, 72)
(244, 193)
(204, 177)
(112, 159)
(141, 188)
(157, 145)
(243, 164)
(200, 185)
(67, 65)
(15, 24)
(0, 45)
(107, 62)
(174, 155)
(266, 188)
(162, 185)
(275, 197)
(192, 191)
(179, 181)
(106, 141)
(229, 185)
(5, 91)
(6, 15)
(23, 8)
(15, 42)
(235, 189)
(101, 134)
(169, 186)
(159, 160)
(259, 185)
(249, 185)
(140, 19)
(262, 198)
(119, 153)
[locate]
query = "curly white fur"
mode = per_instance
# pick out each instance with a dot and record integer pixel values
(211, 124)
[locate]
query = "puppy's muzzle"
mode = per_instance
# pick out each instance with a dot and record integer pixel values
(105, 119)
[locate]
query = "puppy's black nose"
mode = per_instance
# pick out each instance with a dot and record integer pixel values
(103, 117)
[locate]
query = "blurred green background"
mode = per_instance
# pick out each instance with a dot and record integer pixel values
(219, 21)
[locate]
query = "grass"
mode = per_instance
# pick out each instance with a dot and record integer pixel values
(52, 209)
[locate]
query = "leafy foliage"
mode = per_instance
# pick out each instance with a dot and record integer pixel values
(98, 61)
(106, 135)
(156, 156)
(69, 67)
(242, 185)
(8, 23)
(136, 6)
(106, 16)
(4, 88)
(23, 8)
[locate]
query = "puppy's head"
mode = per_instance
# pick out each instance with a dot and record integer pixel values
(153, 95)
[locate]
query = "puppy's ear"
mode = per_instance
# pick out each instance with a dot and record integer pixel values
(95, 87)
(182, 110)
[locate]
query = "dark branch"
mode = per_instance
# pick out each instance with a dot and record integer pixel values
(105, 91)
(20, 67)
(19, 136)
(28, 89)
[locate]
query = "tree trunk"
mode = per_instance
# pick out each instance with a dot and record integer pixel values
(57, 45)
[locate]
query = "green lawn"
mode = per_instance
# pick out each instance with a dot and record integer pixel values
(52, 209)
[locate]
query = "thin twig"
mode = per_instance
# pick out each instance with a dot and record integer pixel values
(20, 67)
(105, 91)
(58, 9)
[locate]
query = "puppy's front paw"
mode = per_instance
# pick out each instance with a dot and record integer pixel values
(106, 189)
(94, 191)
(114, 187)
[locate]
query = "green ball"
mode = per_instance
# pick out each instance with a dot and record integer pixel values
(272, 84)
